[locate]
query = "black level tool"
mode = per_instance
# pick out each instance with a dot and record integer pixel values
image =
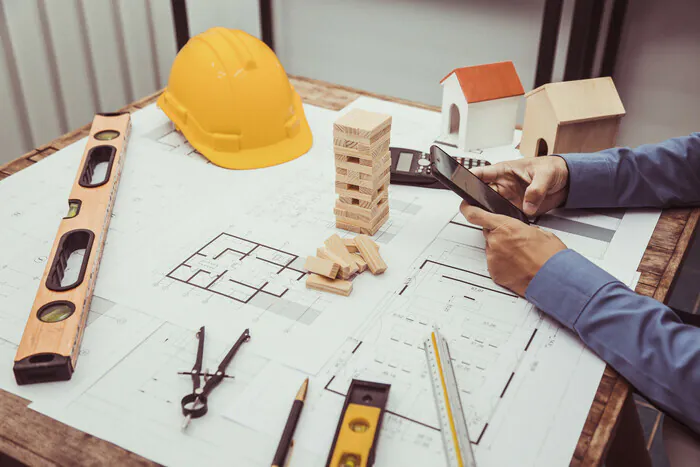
(194, 405)
(355, 441)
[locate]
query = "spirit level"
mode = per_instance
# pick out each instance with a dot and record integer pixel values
(51, 340)
(355, 441)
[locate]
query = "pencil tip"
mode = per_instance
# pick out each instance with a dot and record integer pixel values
(301, 395)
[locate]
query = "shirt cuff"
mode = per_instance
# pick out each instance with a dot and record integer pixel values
(565, 284)
(590, 181)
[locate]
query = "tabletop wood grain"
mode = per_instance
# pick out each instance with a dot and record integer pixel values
(36, 439)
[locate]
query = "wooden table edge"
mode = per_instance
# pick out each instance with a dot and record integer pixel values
(596, 443)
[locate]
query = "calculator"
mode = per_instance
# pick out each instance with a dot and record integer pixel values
(411, 167)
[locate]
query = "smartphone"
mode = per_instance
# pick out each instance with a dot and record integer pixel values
(412, 167)
(469, 187)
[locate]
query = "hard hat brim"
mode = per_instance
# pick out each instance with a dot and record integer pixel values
(254, 158)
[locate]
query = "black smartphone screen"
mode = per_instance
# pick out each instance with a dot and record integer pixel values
(469, 187)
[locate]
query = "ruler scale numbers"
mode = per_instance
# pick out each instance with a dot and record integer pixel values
(453, 424)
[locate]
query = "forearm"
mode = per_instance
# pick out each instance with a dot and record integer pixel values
(641, 338)
(659, 175)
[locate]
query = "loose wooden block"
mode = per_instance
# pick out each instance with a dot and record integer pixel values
(370, 254)
(360, 263)
(362, 126)
(322, 266)
(350, 245)
(352, 248)
(336, 245)
(345, 270)
(324, 284)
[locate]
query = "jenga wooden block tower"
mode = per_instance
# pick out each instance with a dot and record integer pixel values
(362, 168)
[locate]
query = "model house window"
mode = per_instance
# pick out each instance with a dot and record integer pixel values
(454, 120)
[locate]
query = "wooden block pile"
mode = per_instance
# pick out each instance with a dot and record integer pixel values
(341, 259)
(362, 167)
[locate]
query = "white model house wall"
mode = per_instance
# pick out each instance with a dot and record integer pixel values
(491, 123)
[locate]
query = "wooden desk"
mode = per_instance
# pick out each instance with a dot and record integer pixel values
(612, 428)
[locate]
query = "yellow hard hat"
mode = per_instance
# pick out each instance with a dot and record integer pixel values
(231, 98)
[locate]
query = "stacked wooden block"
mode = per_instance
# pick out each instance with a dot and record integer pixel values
(363, 168)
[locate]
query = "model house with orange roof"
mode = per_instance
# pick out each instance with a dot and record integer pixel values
(479, 106)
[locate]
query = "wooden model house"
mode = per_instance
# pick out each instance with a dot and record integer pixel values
(479, 106)
(572, 116)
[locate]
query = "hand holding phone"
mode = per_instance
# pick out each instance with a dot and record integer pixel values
(469, 187)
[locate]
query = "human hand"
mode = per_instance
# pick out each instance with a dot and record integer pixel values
(535, 185)
(515, 251)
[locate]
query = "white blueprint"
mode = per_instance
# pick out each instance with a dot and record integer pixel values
(191, 244)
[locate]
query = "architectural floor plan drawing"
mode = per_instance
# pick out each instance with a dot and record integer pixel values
(488, 327)
(251, 273)
(246, 272)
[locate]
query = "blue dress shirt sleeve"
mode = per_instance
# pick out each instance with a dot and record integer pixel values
(658, 175)
(642, 339)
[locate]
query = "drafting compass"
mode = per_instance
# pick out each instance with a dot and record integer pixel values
(194, 405)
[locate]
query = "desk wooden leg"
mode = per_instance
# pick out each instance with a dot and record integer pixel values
(628, 447)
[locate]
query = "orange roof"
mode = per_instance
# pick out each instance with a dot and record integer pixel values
(488, 82)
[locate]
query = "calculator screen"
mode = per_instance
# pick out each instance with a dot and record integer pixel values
(404, 164)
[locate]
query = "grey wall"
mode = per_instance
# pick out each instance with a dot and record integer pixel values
(658, 71)
(404, 47)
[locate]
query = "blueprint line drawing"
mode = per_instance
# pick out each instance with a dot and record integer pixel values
(483, 276)
(251, 273)
(172, 140)
(462, 224)
(228, 251)
(447, 287)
